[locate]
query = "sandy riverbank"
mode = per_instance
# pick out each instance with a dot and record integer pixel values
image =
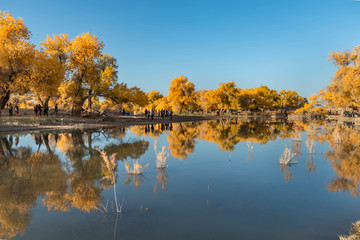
(26, 121)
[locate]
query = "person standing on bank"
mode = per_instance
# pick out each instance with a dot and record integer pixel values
(10, 109)
(36, 110)
(40, 109)
(46, 110)
(16, 109)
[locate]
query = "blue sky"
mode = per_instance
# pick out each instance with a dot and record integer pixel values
(281, 44)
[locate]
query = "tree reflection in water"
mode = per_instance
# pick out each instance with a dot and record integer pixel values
(344, 158)
(73, 182)
(66, 171)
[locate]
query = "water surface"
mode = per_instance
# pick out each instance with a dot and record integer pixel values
(222, 180)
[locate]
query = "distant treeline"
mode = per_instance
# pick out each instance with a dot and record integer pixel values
(77, 75)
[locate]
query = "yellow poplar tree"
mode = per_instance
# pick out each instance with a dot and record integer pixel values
(57, 45)
(344, 89)
(16, 56)
(291, 99)
(226, 96)
(181, 94)
(46, 75)
(153, 97)
(84, 53)
(315, 105)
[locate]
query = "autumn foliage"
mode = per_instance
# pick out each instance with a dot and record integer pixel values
(343, 92)
(76, 74)
(73, 73)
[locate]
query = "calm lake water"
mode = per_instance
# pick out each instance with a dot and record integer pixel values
(222, 180)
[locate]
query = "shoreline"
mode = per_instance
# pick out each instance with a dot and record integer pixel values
(17, 124)
(30, 123)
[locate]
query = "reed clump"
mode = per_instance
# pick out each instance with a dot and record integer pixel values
(354, 233)
(136, 168)
(286, 157)
(161, 157)
(111, 165)
(110, 162)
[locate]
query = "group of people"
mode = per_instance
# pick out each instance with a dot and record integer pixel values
(162, 113)
(11, 109)
(150, 114)
(122, 112)
(40, 110)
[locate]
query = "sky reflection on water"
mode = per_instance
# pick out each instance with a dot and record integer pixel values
(223, 181)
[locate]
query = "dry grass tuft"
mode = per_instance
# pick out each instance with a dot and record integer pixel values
(111, 165)
(110, 162)
(136, 168)
(161, 157)
(286, 157)
(354, 233)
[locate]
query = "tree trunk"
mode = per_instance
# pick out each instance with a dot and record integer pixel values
(40, 100)
(90, 101)
(89, 104)
(4, 99)
(77, 105)
(47, 99)
(44, 101)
